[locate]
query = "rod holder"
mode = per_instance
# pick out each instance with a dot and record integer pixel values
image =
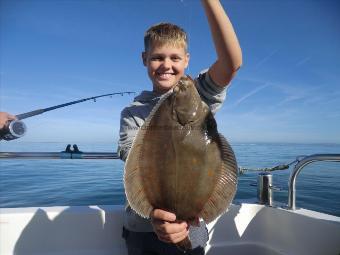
(264, 188)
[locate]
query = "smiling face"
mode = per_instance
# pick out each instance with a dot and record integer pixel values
(165, 65)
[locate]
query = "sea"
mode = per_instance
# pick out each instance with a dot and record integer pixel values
(72, 182)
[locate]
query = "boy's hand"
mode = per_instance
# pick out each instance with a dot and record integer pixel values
(4, 118)
(167, 228)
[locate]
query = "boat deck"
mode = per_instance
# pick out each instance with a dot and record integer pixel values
(244, 229)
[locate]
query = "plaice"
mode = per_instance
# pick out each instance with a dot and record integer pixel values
(179, 162)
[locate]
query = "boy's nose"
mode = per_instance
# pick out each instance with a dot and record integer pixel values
(167, 63)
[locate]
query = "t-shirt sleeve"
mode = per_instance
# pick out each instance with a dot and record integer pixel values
(127, 132)
(212, 94)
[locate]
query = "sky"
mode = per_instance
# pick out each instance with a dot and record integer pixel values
(56, 51)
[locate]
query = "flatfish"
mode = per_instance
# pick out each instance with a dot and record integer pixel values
(179, 162)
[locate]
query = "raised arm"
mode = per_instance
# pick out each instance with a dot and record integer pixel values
(229, 54)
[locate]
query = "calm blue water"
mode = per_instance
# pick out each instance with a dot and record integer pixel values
(25, 183)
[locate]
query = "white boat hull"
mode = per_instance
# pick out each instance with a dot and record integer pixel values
(244, 229)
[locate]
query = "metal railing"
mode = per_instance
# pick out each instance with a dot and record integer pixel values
(297, 169)
(58, 155)
(69, 153)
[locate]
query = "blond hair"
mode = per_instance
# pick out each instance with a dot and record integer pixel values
(165, 34)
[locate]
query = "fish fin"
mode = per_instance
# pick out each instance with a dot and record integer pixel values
(134, 189)
(155, 108)
(133, 182)
(225, 188)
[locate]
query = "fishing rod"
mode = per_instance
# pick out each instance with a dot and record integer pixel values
(17, 128)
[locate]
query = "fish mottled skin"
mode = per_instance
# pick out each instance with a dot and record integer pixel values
(179, 162)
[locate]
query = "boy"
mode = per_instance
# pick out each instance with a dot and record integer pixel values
(166, 59)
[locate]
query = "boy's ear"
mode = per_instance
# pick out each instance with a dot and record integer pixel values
(187, 58)
(144, 58)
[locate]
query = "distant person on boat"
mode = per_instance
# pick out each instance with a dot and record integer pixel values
(166, 58)
(5, 118)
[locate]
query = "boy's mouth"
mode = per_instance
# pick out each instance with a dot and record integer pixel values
(165, 76)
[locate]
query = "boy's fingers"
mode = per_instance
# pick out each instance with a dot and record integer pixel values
(7, 116)
(181, 237)
(11, 117)
(166, 229)
(170, 228)
(159, 214)
(174, 238)
(4, 118)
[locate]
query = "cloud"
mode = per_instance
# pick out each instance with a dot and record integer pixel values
(303, 93)
(249, 94)
(294, 91)
(266, 58)
(303, 61)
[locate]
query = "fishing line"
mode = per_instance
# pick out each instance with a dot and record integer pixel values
(188, 19)
(17, 128)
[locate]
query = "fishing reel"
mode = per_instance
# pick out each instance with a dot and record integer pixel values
(13, 130)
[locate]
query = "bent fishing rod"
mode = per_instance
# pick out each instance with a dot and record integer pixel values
(17, 128)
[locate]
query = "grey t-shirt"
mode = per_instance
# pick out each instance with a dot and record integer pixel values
(133, 117)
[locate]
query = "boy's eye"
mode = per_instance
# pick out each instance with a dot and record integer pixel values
(156, 58)
(176, 58)
(161, 58)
